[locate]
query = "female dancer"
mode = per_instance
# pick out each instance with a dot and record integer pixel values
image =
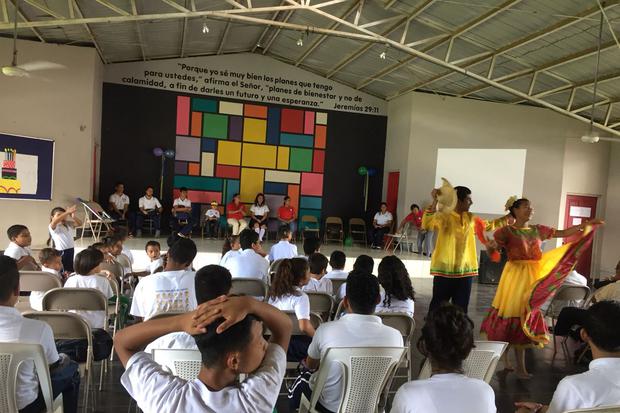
(528, 280)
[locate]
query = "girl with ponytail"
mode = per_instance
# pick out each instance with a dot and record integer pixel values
(397, 292)
(285, 294)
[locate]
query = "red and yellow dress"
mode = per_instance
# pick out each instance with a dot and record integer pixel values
(530, 278)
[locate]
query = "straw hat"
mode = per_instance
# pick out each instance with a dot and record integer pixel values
(446, 198)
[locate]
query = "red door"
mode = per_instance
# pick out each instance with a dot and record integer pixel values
(579, 209)
(392, 192)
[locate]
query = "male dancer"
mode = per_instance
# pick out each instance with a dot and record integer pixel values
(454, 262)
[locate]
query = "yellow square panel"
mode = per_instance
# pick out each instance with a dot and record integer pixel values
(251, 183)
(259, 156)
(231, 108)
(229, 153)
(283, 153)
(254, 130)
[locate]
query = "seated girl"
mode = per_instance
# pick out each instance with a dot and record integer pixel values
(447, 339)
(397, 291)
(285, 294)
(259, 214)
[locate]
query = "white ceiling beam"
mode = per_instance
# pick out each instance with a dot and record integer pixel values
(21, 16)
(276, 33)
(184, 30)
(148, 17)
(545, 67)
(5, 11)
(560, 25)
(249, 3)
(610, 101)
(224, 36)
(44, 9)
(455, 34)
(235, 4)
(350, 58)
(398, 18)
(389, 3)
(358, 13)
(90, 33)
(608, 114)
(323, 37)
(176, 5)
(329, 3)
(134, 11)
(614, 125)
(113, 7)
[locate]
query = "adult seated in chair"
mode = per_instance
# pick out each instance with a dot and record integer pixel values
(14, 328)
(149, 208)
(599, 386)
(235, 213)
(118, 205)
(358, 328)
(287, 215)
(182, 214)
(381, 224)
(602, 283)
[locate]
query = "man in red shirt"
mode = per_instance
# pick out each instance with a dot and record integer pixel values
(235, 211)
(287, 216)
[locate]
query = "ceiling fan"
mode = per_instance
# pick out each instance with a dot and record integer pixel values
(24, 70)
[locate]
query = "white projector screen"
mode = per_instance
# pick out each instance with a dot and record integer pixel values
(493, 175)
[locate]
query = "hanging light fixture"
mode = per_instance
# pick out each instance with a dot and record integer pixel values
(205, 27)
(300, 41)
(383, 54)
(592, 136)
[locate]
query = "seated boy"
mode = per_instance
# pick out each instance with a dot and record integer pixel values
(250, 263)
(318, 282)
(212, 220)
(153, 251)
(19, 247)
(182, 213)
(211, 282)
(14, 328)
(170, 290)
(311, 245)
(284, 248)
(229, 334)
(337, 261)
(600, 385)
(51, 262)
(149, 207)
(358, 328)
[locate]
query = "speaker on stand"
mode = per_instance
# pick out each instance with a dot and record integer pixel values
(490, 272)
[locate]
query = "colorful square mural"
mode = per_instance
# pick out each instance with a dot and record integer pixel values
(227, 147)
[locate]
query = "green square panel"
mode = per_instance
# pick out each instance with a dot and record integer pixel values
(198, 183)
(204, 105)
(214, 126)
(300, 160)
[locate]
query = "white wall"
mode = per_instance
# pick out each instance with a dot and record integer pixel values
(64, 105)
(610, 251)
(556, 162)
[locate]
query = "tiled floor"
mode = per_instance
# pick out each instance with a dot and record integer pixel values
(507, 388)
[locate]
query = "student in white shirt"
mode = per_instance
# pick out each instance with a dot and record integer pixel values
(317, 282)
(337, 261)
(285, 293)
(311, 245)
(250, 263)
(19, 247)
(284, 248)
(211, 282)
(259, 214)
(212, 220)
(359, 327)
(231, 248)
(600, 385)
(182, 211)
(50, 260)
(447, 339)
(62, 223)
(88, 274)
(363, 263)
(14, 328)
(171, 290)
(149, 208)
(397, 295)
(119, 202)
(229, 336)
(122, 234)
(153, 251)
(381, 224)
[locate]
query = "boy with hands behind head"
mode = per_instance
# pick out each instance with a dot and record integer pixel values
(229, 334)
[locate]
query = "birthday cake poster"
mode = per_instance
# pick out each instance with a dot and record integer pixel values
(26, 167)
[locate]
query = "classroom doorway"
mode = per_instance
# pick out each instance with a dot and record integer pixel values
(580, 208)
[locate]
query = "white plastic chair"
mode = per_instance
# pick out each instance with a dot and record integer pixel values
(252, 287)
(366, 370)
(185, 364)
(406, 326)
(69, 326)
(602, 409)
(12, 355)
(480, 364)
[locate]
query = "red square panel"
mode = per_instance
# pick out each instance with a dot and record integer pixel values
(226, 171)
(311, 184)
(292, 121)
(318, 161)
